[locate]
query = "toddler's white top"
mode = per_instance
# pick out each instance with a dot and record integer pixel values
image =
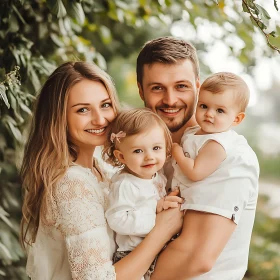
(132, 205)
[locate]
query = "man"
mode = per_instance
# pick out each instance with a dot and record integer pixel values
(215, 238)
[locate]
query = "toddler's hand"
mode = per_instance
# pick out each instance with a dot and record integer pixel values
(169, 201)
(176, 149)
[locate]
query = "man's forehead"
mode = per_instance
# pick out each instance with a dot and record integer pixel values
(161, 72)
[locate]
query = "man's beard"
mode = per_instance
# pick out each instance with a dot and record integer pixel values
(174, 127)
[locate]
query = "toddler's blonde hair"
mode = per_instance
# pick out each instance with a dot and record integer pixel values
(222, 81)
(132, 122)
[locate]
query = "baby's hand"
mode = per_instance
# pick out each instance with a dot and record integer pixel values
(176, 149)
(169, 201)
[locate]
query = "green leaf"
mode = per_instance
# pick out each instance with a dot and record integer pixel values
(263, 12)
(245, 8)
(4, 96)
(78, 13)
(57, 7)
(3, 216)
(275, 5)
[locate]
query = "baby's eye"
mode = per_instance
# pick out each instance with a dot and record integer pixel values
(203, 106)
(83, 110)
(157, 148)
(138, 151)
(220, 111)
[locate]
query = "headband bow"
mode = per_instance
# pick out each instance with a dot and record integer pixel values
(117, 136)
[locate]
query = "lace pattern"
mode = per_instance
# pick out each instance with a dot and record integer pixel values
(77, 213)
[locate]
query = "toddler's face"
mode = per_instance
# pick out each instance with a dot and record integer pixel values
(143, 154)
(216, 112)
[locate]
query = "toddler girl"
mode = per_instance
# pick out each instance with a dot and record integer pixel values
(139, 142)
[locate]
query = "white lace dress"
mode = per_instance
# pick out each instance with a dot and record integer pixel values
(76, 242)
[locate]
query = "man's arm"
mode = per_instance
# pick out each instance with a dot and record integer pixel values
(207, 161)
(196, 250)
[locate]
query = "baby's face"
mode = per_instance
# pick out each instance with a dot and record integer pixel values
(216, 112)
(145, 153)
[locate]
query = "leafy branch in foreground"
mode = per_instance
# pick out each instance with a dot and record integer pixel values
(11, 78)
(258, 15)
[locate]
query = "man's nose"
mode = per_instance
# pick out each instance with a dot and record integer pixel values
(170, 97)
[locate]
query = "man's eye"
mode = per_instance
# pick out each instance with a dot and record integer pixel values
(83, 110)
(203, 106)
(138, 151)
(220, 111)
(182, 86)
(106, 105)
(157, 88)
(157, 148)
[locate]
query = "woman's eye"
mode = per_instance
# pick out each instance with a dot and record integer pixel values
(138, 151)
(106, 105)
(157, 148)
(203, 106)
(83, 110)
(220, 111)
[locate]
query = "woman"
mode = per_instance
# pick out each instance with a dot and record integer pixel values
(65, 189)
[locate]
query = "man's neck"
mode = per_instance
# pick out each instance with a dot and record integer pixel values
(176, 136)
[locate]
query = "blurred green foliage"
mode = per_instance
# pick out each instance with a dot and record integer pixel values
(37, 35)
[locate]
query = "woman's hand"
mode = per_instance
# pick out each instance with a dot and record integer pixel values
(170, 221)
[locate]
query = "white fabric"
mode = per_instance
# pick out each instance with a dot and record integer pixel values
(231, 191)
(132, 205)
(76, 242)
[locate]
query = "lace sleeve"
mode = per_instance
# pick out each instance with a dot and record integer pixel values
(80, 218)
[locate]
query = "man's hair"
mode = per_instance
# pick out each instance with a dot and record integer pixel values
(133, 122)
(222, 81)
(166, 50)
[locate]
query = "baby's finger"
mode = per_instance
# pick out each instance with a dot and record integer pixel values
(174, 199)
(170, 204)
(174, 193)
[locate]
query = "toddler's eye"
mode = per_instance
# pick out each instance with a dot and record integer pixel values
(138, 151)
(157, 148)
(203, 106)
(220, 111)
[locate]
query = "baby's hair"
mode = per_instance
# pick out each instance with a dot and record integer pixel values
(219, 82)
(132, 122)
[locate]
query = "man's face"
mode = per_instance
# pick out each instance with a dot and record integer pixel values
(170, 90)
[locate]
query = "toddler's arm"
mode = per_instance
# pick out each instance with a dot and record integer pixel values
(207, 161)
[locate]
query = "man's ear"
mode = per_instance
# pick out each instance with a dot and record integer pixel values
(239, 118)
(197, 83)
(140, 91)
(119, 155)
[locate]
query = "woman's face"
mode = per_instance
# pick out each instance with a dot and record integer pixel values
(89, 113)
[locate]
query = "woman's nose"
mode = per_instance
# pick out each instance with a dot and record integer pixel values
(97, 118)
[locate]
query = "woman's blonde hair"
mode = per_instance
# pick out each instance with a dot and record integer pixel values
(48, 152)
(132, 122)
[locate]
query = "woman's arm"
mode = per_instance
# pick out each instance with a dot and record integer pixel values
(81, 220)
(207, 161)
(135, 265)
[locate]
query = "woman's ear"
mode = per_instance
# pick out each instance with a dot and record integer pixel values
(239, 118)
(119, 155)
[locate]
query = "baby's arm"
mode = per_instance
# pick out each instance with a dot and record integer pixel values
(207, 161)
